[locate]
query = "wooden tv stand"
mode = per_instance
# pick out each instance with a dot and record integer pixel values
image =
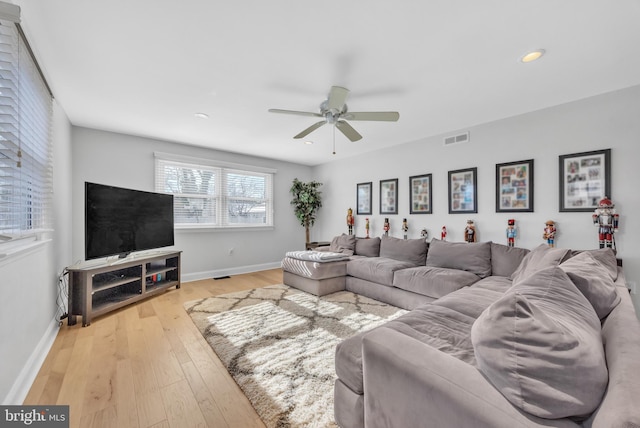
(98, 288)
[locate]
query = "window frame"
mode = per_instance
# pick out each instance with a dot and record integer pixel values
(220, 199)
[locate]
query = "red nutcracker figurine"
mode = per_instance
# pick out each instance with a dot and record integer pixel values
(550, 233)
(512, 232)
(443, 234)
(350, 220)
(386, 226)
(606, 218)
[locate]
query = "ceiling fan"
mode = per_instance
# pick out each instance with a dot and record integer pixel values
(335, 112)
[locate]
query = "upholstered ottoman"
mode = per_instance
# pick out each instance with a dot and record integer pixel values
(315, 272)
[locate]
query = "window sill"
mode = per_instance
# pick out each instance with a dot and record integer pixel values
(204, 228)
(15, 247)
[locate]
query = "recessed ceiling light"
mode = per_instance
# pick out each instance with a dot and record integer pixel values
(202, 115)
(532, 56)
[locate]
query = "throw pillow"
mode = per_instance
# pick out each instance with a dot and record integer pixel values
(541, 257)
(368, 247)
(404, 250)
(540, 346)
(345, 244)
(474, 257)
(505, 260)
(605, 256)
(594, 281)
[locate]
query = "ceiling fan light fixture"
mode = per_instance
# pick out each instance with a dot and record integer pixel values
(308, 142)
(202, 115)
(532, 56)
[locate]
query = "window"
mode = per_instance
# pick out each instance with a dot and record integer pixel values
(216, 195)
(25, 134)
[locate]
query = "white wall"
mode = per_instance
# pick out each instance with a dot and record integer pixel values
(128, 161)
(606, 121)
(29, 286)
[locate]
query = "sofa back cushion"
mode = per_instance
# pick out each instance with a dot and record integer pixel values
(605, 256)
(541, 257)
(345, 244)
(368, 247)
(540, 346)
(474, 257)
(594, 281)
(505, 260)
(406, 250)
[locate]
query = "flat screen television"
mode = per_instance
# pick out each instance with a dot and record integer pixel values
(119, 221)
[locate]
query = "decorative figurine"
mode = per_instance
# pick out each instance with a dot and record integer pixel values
(550, 233)
(366, 226)
(423, 233)
(606, 218)
(443, 234)
(405, 227)
(350, 220)
(386, 226)
(512, 232)
(470, 232)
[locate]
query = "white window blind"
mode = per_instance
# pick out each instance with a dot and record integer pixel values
(25, 134)
(217, 196)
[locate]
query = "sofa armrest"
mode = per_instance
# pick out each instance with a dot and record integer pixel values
(410, 384)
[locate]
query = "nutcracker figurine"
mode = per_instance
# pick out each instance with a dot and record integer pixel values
(550, 233)
(470, 232)
(405, 227)
(606, 218)
(443, 234)
(350, 221)
(366, 226)
(423, 233)
(512, 232)
(386, 226)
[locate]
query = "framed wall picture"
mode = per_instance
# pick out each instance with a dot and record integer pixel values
(420, 194)
(514, 186)
(585, 178)
(463, 191)
(389, 196)
(363, 197)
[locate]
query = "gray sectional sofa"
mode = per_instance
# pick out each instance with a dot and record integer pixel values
(495, 336)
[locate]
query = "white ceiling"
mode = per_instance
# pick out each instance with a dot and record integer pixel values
(145, 67)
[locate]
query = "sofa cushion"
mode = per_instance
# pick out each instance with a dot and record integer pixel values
(410, 250)
(541, 257)
(345, 244)
(505, 260)
(594, 281)
(376, 269)
(369, 247)
(605, 256)
(474, 257)
(432, 281)
(540, 346)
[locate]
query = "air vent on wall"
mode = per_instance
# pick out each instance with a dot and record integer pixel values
(455, 139)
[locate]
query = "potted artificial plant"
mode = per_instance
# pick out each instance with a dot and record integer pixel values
(306, 201)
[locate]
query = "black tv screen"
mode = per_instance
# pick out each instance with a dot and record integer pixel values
(120, 221)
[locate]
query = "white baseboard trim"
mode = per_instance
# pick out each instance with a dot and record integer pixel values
(22, 385)
(228, 272)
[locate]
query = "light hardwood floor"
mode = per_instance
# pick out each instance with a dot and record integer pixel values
(147, 365)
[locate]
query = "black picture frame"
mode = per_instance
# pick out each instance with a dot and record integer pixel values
(364, 205)
(420, 195)
(463, 191)
(389, 196)
(514, 186)
(585, 178)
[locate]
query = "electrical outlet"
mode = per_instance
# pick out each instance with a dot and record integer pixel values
(632, 286)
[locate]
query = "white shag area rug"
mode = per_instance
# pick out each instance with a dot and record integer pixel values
(279, 344)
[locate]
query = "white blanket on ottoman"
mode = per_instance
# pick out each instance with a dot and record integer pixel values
(317, 256)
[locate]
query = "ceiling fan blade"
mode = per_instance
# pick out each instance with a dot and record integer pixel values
(348, 130)
(337, 98)
(299, 113)
(385, 116)
(310, 129)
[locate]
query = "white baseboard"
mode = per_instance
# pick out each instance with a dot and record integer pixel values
(228, 272)
(22, 385)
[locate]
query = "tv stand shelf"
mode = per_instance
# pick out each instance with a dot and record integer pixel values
(96, 289)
